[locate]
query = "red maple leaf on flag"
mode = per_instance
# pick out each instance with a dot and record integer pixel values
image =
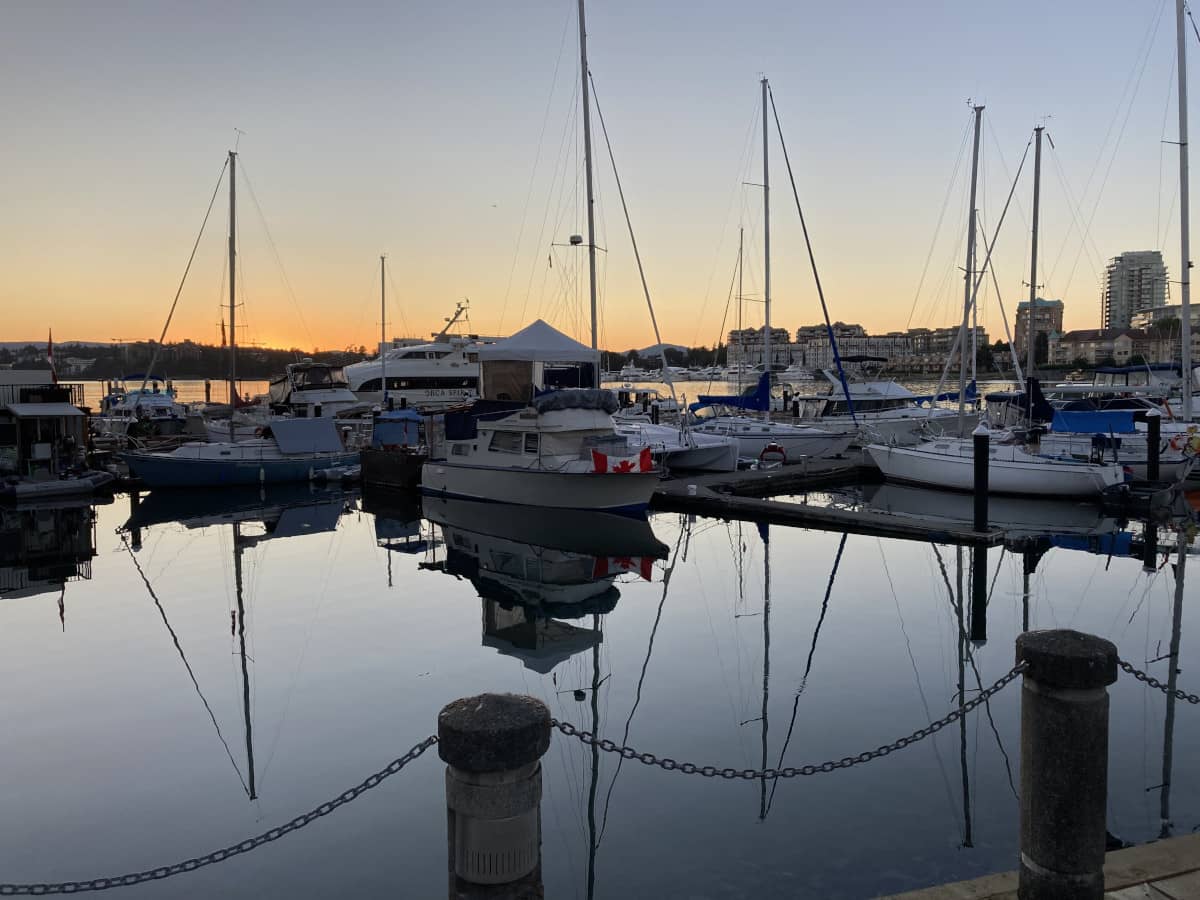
(625, 465)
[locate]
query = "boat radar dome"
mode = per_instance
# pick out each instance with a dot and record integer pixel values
(576, 240)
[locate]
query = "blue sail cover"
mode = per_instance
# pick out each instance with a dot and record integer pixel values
(972, 393)
(1119, 421)
(759, 399)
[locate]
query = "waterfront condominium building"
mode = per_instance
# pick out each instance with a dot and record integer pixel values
(1047, 320)
(1134, 281)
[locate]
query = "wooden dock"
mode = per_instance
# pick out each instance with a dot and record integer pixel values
(1164, 870)
(740, 495)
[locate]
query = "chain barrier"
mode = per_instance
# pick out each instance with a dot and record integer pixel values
(687, 768)
(1155, 683)
(199, 862)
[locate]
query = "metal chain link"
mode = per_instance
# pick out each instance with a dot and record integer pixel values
(1155, 683)
(845, 762)
(198, 862)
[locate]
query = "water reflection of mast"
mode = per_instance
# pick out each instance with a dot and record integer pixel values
(962, 690)
(764, 528)
(591, 876)
(837, 559)
(241, 632)
(1172, 684)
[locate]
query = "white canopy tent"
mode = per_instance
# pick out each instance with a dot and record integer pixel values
(514, 368)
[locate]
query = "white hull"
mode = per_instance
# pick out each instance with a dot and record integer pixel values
(949, 464)
(796, 440)
(1132, 454)
(695, 452)
(625, 492)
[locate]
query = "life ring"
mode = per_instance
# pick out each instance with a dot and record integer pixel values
(773, 449)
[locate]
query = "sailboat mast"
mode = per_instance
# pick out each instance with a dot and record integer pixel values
(241, 629)
(1185, 262)
(766, 251)
(587, 168)
(741, 339)
(383, 331)
(233, 392)
(968, 280)
(1030, 356)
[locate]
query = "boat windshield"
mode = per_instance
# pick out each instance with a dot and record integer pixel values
(319, 377)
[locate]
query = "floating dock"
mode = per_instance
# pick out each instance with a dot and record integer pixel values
(1163, 870)
(741, 495)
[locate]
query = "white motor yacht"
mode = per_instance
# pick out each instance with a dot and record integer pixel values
(426, 376)
(150, 410)
(534, 439)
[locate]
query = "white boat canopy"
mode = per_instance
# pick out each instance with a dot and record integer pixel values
(539, 342)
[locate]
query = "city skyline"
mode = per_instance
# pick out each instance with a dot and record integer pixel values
(448, 142)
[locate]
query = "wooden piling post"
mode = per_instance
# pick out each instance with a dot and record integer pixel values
(981, 438)
(1153, 444)
(492, 745)
(1064, 763)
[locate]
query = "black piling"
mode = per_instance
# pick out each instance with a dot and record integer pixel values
(1064, 763)
(1153, 444)
(981, 439)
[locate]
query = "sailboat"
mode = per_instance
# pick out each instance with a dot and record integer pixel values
(754, 436)
(948, 462)
(285, 450)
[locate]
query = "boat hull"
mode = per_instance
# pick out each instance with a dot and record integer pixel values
(1016, 473)
(627, 492)
(161, 470)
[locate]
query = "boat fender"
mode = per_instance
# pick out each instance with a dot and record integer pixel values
(773, 450)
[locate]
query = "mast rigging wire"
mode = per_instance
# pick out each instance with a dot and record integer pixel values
(813, 262)
(186, 269)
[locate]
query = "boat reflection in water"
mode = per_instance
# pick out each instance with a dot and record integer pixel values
(45, 545)
(284, 510)
(535, 567)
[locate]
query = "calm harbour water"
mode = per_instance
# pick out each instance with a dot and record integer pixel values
(129, 728)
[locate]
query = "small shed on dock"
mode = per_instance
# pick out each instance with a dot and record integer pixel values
(40, 440)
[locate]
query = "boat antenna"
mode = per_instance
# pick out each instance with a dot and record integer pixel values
(837, 358)
(1185, 263)
(1030, 358)
(766, 186)
(383, 330)
(967, 279)
(587, 167)
(741, 339)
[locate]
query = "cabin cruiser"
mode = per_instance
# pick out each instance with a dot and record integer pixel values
(310, 389)
(886, 410)
(150, 410)
(442, 373)
(541, 434)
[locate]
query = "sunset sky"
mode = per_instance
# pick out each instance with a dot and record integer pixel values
(443, 134)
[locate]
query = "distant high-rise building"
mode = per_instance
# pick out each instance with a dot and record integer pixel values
(1134, 281)
(1047, 320)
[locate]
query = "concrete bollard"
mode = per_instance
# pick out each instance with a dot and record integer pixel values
(492, 745)
(1064, 763)
(1153, 444)
(981, 438)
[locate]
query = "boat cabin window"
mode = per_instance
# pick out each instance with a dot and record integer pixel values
(459, 449)
(506, 442)
(531, 443)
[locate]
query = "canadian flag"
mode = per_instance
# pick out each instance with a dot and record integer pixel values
(643, 462)
(606, 566)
